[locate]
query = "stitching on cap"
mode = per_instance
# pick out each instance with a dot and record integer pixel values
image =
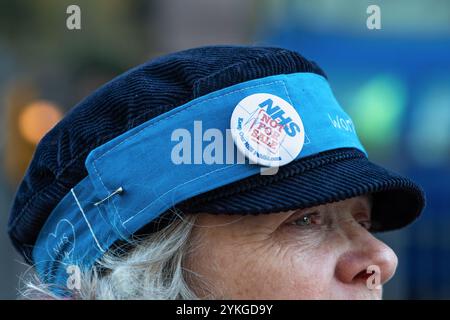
(77, 157)
(184, 183)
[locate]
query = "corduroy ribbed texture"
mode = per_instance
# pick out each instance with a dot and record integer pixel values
(125, 102)
(170, 81)
(323, 178)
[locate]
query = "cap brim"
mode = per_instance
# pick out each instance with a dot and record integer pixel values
(320, 179)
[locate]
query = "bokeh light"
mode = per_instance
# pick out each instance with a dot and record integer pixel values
(37, 119)
(429, 136)
(377, 108)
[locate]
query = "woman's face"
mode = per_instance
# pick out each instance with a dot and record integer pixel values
(317, 253)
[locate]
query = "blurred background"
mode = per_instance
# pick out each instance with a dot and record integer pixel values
(394, 82)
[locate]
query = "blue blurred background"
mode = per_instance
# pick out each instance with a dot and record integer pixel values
(394, 82)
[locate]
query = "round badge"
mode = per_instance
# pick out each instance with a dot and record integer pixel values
(267, 129)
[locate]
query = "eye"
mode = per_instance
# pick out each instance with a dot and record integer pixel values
(366, 224)
(307, 220)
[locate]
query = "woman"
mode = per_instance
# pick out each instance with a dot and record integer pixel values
(216, 172)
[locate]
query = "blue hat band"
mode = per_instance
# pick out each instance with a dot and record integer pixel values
(133, 178)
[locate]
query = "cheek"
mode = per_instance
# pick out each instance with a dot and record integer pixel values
(299, 273)
(267, 271)
(283, 265)
(226, 269)
(303, 267)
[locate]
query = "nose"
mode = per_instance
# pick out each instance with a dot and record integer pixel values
(367, 260)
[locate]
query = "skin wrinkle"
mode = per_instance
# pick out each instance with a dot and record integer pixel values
(197, 281)
(272, 257)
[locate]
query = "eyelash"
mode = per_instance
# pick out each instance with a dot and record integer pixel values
(366, 224)
(310, 222)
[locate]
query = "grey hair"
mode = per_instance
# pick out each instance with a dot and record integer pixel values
(152, 269)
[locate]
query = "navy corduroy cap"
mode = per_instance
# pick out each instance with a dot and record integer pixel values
(165, 83)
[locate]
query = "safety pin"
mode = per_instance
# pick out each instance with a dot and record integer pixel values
(118, 191)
